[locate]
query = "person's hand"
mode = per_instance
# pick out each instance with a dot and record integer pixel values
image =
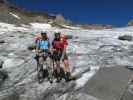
(52, 49)
(38, 51)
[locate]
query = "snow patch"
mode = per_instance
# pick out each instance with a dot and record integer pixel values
(40, 27)
(86, 77)
(14, 15)
(71, 27)
(9, 63)
(5, 27)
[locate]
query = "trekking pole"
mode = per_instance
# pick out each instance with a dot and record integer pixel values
(123, 93)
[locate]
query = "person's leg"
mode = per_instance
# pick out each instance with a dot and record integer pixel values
(49, 69)
(40, 69)
(40, 60)
(58, 66)
(58, 58)
(55, 64)
(67, 68)
(66, 63)
(51, 61)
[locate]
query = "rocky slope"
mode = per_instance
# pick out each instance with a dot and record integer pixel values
(87, 53)
(14, 15)
(95, 26)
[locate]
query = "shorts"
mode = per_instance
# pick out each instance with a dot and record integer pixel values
(43, 54)
(58, 54)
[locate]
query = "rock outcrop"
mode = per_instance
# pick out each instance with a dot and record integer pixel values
(95, 26)
(130, 23)
(8, 13)
(125, 37)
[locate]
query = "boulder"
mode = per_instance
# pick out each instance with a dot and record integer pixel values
(109, 83)
(2, 41)
(125, 37)
(3, 76)
(1, 64)
(32, 47)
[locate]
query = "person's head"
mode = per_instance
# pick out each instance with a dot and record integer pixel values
(57, 35)
(44, 35)
(62, 35)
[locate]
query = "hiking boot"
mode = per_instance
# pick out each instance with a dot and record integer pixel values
(62, 73)
(55, 74)
(40, 81)
(45, 73)
(51, 81)
(58, 79)
(69, 77)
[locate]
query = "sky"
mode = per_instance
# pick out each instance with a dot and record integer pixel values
(114, 12)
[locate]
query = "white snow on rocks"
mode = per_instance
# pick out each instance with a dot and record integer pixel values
(4, 27)
(71, 27)
(88, 51)
(40, 27)
(9, 63)
(14, 15)
(86, 77)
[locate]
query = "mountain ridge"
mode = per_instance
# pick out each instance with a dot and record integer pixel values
(8, 10)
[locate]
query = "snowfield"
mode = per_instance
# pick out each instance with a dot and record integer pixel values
(37, 27)
(4, 27)
(88, 51)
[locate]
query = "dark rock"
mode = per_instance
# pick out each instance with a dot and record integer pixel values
(125, 37)
(130, 67)
(2, 41)
(11, 36)
(114, 81)
(1, 64)
(2, 1)
(3, 75)
(32, 47)
(96, 26)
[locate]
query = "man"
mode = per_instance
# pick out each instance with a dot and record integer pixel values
(42, 50)
(59, 45)
(42, 44)
(56, 55)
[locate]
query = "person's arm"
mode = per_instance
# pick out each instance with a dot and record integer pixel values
(37, 46)
(52, 46)
(65, 43)
(49, 46)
